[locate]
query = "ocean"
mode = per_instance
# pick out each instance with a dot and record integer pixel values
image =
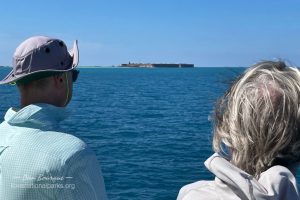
(149, 127)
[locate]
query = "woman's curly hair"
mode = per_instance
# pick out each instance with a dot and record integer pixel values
(258, 118)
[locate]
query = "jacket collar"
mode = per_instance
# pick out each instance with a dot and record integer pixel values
(36, 115)
(272, 184)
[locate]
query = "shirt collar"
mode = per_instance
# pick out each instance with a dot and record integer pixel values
(36, 114)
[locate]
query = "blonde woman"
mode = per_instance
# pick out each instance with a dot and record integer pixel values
(256, 138)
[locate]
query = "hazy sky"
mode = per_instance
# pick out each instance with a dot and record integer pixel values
(111, 32)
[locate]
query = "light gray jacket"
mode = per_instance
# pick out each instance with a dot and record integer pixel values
(277, 183)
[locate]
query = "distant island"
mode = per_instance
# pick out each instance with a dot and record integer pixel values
(150, 65)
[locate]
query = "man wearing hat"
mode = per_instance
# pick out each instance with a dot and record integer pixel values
(37, 161)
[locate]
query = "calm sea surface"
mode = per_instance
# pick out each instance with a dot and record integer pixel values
(150, 128)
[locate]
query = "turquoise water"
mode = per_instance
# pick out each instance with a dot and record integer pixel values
(150, 128)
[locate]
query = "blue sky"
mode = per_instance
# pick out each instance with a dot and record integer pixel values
(206, 33)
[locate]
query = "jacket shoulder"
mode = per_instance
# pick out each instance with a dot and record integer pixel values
(279, 180)
(47, 146)
(60, 144)
(200, 190)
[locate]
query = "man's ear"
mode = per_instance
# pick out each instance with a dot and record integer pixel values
(58, 80)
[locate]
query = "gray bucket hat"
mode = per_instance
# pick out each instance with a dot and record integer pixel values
(40, 54)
